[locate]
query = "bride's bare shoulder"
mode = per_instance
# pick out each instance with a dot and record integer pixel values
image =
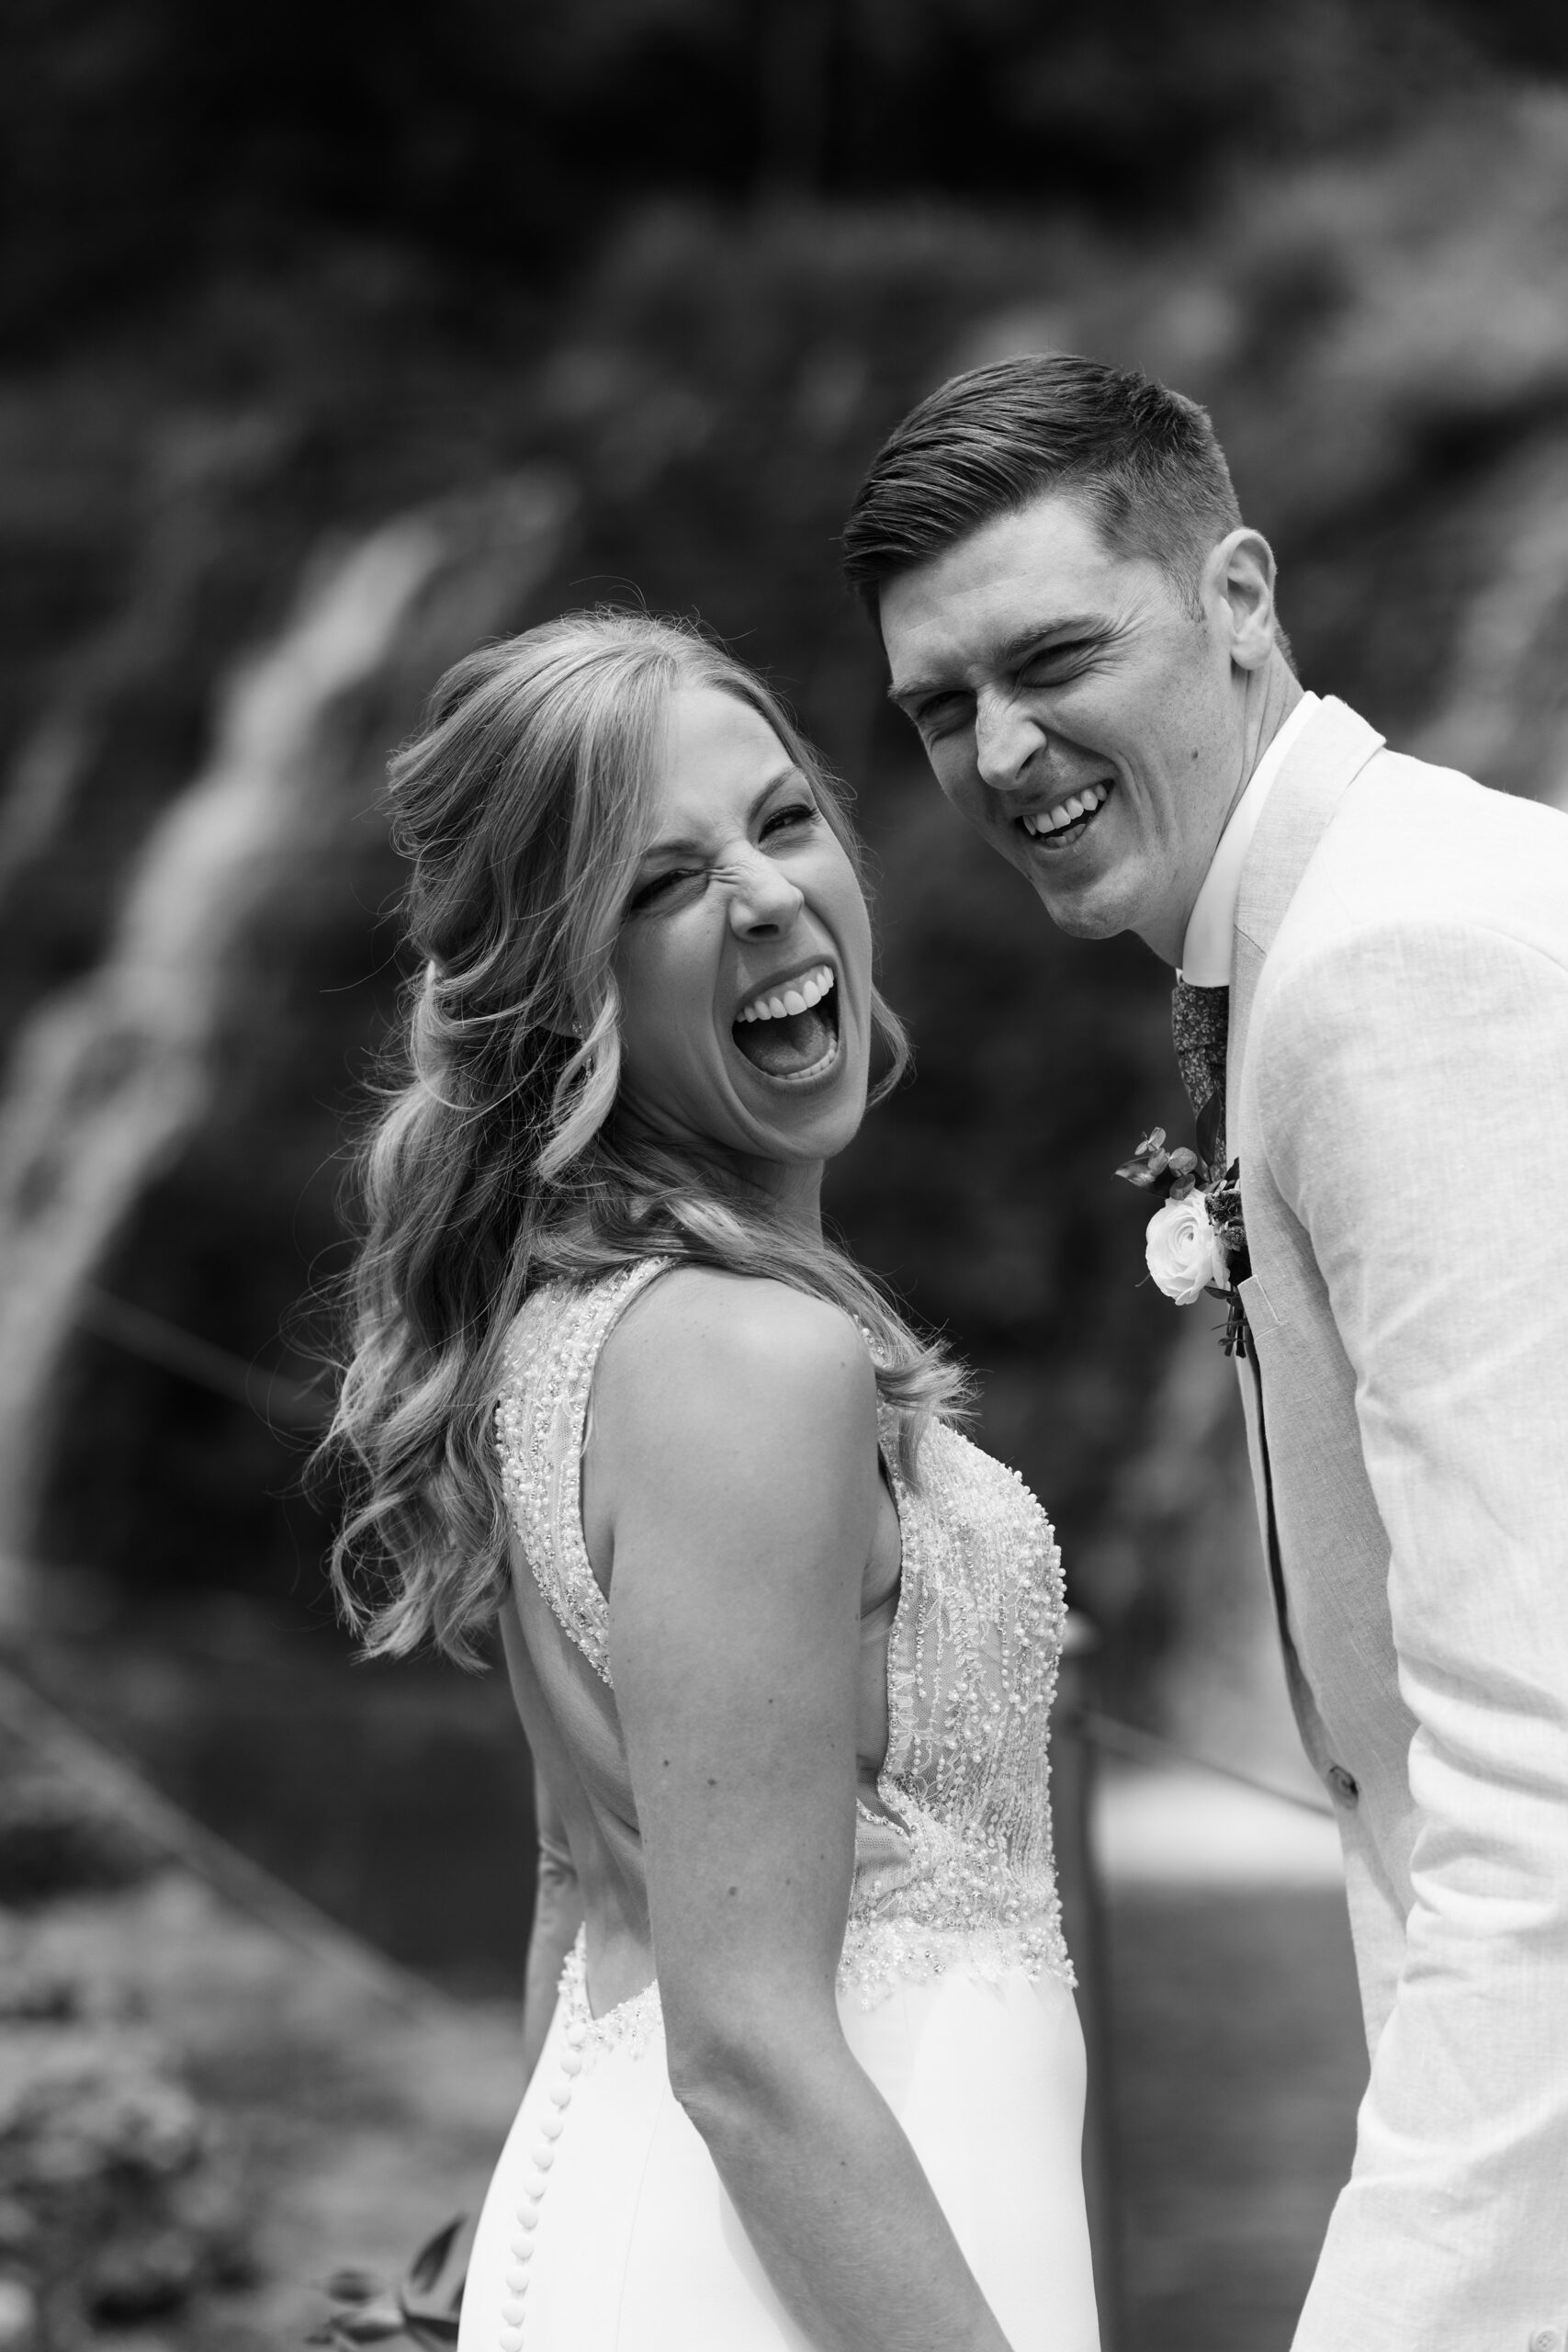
(699, 1347)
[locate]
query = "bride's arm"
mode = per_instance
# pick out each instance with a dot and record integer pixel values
(733, 1492)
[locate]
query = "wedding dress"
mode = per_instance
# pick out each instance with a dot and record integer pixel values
(606, 2227)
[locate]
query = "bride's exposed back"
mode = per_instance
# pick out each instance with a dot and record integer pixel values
(782, 1642)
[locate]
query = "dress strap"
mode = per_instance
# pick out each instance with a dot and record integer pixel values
(541, 1425)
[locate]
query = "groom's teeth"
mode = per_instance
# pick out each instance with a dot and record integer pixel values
(1055, 821)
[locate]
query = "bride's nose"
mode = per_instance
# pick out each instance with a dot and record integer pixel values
(761, 898)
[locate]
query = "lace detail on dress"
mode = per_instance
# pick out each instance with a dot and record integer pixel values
(962, 1867)
(955, 1865)
(629, 2025)
(541, 1424)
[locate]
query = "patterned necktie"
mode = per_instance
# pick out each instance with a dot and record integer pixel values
(1199, 1023)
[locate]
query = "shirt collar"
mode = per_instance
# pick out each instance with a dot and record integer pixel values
(1206, 950)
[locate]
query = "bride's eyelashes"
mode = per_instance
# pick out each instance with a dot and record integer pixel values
(800, 816)
(656, 888)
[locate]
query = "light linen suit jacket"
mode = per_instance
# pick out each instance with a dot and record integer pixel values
(1397, 1096)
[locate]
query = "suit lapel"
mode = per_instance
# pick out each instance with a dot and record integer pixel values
(1318, 772)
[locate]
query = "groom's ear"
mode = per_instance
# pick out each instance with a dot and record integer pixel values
(1238, 593)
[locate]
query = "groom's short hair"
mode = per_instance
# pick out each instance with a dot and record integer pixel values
(1144, 460)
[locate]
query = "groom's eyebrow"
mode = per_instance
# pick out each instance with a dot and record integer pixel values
(1035, 640)
(1006, 655)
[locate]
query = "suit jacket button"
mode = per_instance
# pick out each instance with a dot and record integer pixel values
(1342, 1788)
(1547, 2339)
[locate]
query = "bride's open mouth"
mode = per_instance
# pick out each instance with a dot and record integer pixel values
(791, 1033)
(1055, 830)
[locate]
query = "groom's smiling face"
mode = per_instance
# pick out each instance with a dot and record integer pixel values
(1080, 710)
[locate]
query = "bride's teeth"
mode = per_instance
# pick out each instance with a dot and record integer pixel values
(799, 998)
(1074, 807)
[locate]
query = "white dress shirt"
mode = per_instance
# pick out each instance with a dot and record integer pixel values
(1206, 950)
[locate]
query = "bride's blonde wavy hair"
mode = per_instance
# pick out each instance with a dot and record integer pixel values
(499, 1159)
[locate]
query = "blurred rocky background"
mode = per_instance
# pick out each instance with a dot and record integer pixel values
(333, 339)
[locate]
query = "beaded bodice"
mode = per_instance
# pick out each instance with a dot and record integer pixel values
(954, 1858)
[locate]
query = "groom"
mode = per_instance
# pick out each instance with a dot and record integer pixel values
(1373, 1005)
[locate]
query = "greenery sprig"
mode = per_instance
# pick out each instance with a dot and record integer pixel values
(371, 2313)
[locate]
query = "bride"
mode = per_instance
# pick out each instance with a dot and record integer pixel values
(782, 1642)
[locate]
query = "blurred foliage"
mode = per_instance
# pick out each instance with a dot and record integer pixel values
(149, 141)
(119, 2201)
(270, 278)
(54, 1842)
(119, 2198)
(1381, 331)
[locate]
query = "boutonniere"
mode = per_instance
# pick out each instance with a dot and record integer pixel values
(1196, 1241)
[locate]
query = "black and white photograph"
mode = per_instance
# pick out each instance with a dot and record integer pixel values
(784, 1176)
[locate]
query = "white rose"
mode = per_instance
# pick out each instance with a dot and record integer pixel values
(1184, 1250)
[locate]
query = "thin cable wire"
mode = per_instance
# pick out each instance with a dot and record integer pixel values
(97, 1769)
(1146, 1747)
(286, 1403)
